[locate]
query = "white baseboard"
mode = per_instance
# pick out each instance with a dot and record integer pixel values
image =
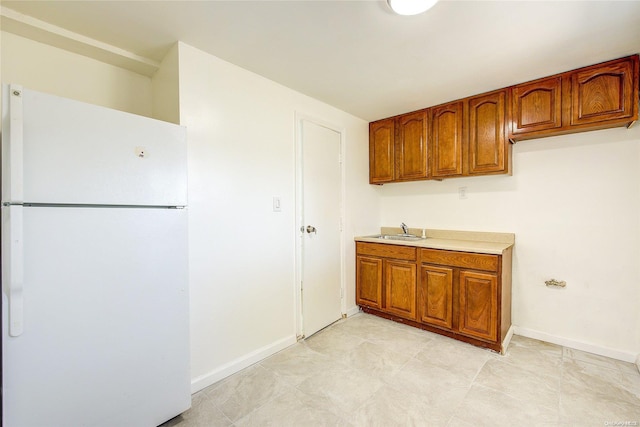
(240, 363)
(353, 310)
(578, 345)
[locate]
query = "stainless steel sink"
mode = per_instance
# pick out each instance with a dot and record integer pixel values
(409, 237)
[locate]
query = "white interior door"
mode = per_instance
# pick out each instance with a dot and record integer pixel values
(321, 271)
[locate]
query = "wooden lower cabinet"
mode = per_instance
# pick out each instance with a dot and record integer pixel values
(386, 278)
(369, 279)
(463, 295)
(400, 288)
(478, 309)
(435, 296)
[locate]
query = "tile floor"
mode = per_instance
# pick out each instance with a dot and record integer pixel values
(367, 371)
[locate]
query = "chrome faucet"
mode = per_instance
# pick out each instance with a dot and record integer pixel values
(405, 229)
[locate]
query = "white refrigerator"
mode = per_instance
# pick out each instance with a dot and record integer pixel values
(95, 321)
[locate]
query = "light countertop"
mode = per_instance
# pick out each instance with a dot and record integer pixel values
(451, 240)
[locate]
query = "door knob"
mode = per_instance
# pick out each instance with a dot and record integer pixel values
(311, 229)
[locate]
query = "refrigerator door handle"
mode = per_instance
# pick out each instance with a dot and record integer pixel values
(13, 178)
(15, 270)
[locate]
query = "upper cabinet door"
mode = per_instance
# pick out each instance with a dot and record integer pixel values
(605, 92)
(447, 140)
(537, 106)
(488, 149)
(411, 146)
(381, 151)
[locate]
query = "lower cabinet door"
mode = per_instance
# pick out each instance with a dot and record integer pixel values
(478, 305)
(369, 281)
(435, 296)
(400, 288)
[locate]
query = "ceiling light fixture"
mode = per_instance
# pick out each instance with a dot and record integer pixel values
(411, 7)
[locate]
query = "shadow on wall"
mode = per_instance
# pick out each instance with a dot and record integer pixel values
(486, 184)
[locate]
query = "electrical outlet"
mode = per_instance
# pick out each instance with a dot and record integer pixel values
(462, 192)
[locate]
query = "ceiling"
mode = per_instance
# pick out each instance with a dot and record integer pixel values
(357, 55)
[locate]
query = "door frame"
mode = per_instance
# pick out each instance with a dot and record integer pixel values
(300, 119)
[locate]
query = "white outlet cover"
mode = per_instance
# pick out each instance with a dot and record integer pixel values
(462, 192)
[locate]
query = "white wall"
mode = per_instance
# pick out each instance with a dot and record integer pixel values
(574, 204)
(166, 88)
(241, 154)
(48, 69)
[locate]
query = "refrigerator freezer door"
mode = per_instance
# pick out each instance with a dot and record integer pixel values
(105, 338)
(70, 152)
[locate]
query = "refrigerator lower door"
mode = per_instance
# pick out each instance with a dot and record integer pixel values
(104, 338)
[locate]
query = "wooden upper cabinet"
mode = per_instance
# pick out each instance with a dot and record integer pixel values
(471, 136)
(597, 97)
(537, 106)
(447, 140)
(605, 92)
(411, 146)
(381, 151)
(488, 150)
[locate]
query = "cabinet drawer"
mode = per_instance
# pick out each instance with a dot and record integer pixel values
(460, 259)
(386, 251)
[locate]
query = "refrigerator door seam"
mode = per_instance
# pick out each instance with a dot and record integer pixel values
(89, 205)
